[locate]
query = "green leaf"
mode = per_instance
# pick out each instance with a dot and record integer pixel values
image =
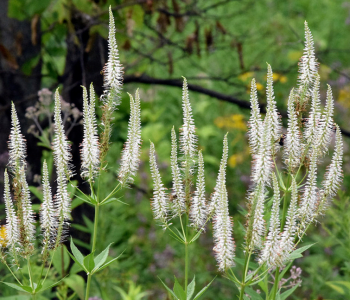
(34, 190)
(168, 289)
(112, 200)
(49, 286)
(77, 284)
(57, 260)
(110, 262)
(253, 294)
(76, 253)
(17, 297)
(101, 258)
(178, 290)
(287, 293)
(342, 287)
(22, 288)
(190, 288)
(89, 262)
(203, 290)
(297, 253)
(81, 228)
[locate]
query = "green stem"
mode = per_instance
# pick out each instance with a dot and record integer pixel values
(275, 287)
(13, 274)
(186, 266)
(245, 271)
(48, 269)
(94, 240)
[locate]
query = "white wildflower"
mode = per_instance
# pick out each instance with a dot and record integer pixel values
(48, 214)
(188, 138)
(179, 202)
(286, 245)
(292, 145)
(90, 146)
(17, 144)
(131, 153)
(12, 229)
(255, 121)
(220, 179)
(198, 212)
(160, 204)
(268, 253)
(256, 221)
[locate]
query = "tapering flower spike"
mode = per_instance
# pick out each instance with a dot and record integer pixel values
(271, 111)
(160, 204)
(61, 148)
(255, 122)
(334, 174)
(48, 214)
(17, 144)
(256, 223)
(313, 121)
(113, 82)
(286, 245)
(308, 65)
(90, 152)
(12, 229)
(222, 222)
(262, 163)
(325, 129)
(179, 204)
(220, 179)
(131, 153)
(310, 197)
(62, 157)
(293, 145)
(269, 252)
(188, 138)
(198, 212)
(28, 230)
(113, 74)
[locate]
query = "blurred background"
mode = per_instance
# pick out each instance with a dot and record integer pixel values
(219, 46)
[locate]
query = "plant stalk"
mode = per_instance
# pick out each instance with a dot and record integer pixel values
(245, 271)
(94, 240)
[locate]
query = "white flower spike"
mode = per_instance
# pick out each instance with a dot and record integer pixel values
(255, 122)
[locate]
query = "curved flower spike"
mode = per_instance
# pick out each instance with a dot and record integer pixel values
(160, 204)
(255, 121)
(179, 203)
(131, 153)
(17, 144)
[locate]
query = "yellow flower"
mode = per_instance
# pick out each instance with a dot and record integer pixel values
(344, 97)
(259, 86)
(235, 121)
(235, 159)
(2, 236)
(283, 79)
(245, 76)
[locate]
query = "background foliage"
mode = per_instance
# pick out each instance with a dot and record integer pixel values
(219, 46)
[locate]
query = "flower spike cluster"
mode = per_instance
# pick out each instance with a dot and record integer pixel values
(90, 151)
(222, 222)
(131, 153)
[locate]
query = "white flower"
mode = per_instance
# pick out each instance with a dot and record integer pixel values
(17, 144)
(286, 245)
(179, 202)
(271, 111)
(255, 121)
(292, 146)
(224, 243)
(334, 174)
(308, 65)
(48, 214)
(188, 138)
(315, 113)
(269, 252)
(62, 157)
(90, 152)
(220, 179)
(160, 204)
(131, 153)
(12, 229)
(198, 212)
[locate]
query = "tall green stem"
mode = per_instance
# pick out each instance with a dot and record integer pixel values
(94, 240)
(245, 271)
(186, 266)
(275, 286)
